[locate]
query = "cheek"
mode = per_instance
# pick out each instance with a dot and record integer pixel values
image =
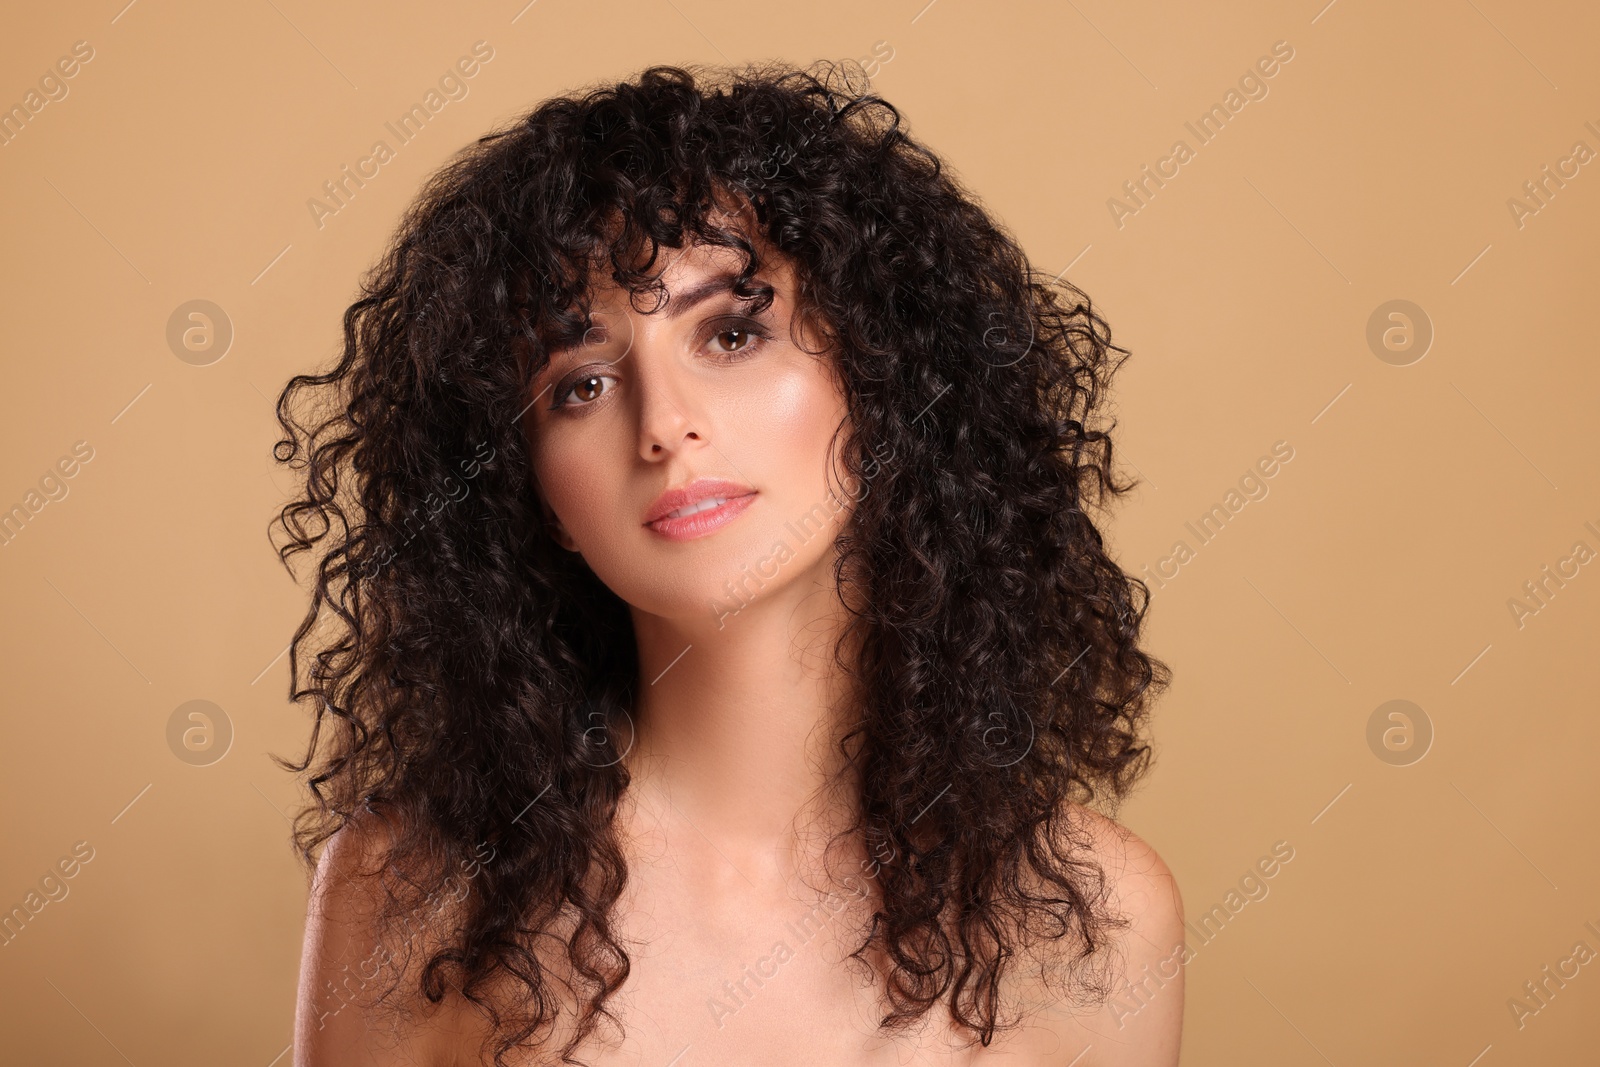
(789, 419)
(573, 479)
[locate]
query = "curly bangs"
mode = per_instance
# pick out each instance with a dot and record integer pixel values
(458, 661)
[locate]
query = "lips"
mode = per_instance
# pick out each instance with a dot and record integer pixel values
(692, 494)
(698, 508)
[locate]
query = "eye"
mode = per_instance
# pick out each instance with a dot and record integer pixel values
(747, 335)
(743, 337)
(586, 387)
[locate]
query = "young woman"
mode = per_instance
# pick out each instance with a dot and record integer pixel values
(714, 654)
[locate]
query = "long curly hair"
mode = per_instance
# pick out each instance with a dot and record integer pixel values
(458, 660)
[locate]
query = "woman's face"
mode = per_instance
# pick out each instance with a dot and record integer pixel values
(695, 390)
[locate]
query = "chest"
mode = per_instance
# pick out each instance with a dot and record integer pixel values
(721, 977)
(757, 980)
(724, 972)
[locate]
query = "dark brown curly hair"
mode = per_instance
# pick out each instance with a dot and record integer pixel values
(456, 657)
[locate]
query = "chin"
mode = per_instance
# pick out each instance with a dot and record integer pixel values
(711, 580)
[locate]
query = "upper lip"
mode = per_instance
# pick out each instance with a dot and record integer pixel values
(693, 493)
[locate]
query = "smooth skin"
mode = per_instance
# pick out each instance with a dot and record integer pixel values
(735, 927)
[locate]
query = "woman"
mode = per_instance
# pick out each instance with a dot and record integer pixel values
(721, 654)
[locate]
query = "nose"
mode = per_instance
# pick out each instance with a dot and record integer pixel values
(669, 413)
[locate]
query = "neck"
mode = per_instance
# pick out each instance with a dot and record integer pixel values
(736, 724)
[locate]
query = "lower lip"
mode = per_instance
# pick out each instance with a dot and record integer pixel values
(701, 523)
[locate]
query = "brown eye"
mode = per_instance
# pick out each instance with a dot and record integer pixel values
(582, 391)
(747, 335)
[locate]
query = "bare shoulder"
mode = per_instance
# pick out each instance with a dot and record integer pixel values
(1143, 886)
(345, 965)
(1141, 1022)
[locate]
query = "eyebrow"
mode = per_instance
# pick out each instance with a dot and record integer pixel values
(684, 301)
(677, 306)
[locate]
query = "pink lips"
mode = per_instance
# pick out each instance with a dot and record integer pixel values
(735, 498)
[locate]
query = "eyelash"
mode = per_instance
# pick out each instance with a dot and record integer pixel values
(758, 337)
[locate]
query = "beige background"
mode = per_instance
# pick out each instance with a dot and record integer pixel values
(1420, 498)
